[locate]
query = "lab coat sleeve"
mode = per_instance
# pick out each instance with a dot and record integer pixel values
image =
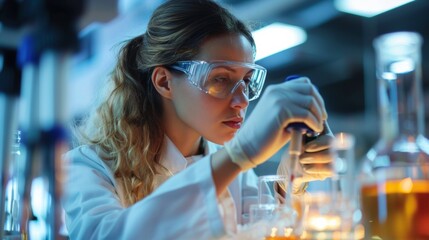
(184, 207)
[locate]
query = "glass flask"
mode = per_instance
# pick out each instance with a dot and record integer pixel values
(394, 184)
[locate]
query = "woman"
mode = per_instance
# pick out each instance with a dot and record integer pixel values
(151, 164)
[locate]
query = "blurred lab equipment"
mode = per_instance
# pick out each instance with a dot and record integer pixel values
(271, 221)
(344, 187)
(9, 92)
(331, 210)
(395, 176)
(45, 52)
(272, 217)
(267, 189)
(12, 225)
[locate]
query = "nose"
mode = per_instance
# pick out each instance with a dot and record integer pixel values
(240, 100)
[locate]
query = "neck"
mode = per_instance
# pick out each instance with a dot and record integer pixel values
(188, 146)
(185, 138)
(402, 114)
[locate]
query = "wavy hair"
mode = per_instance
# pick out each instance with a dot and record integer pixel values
(126, 127)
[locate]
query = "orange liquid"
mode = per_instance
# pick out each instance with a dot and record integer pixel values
(398, 209)
(281, 238)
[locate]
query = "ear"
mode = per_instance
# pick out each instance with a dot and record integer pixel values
(161, 80)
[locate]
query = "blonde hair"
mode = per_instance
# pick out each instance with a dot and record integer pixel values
(126, 128)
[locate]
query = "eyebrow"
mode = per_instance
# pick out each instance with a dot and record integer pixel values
(233, 69)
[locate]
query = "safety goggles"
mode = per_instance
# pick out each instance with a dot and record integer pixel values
(221, 78)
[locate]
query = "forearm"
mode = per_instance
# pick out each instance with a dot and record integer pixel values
(224, 171)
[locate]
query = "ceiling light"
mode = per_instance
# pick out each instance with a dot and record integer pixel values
(277, 37)
(368, 8)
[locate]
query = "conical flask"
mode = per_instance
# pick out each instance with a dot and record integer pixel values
(394, 184)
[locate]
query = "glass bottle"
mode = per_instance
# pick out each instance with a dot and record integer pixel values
(394, 185)
(12, 198)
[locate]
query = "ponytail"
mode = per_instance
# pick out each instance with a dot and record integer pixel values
(126, 127)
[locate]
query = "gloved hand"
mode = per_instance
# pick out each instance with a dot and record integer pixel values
(315, 161)
(264, 132)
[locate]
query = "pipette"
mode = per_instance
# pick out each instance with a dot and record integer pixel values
(297, 131)
(295, 147)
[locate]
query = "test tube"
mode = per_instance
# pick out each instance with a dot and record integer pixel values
(344, 189)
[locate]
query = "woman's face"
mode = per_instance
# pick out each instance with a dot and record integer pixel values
(215, 119)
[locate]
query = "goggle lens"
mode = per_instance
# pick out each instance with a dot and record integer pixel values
(222, 78)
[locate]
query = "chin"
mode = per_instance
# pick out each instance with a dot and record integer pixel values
(221, 139)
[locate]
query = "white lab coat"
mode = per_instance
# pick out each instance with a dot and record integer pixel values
(183, 207)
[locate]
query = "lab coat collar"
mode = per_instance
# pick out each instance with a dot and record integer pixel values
(210, 147)
(172, 158)
(174, 161)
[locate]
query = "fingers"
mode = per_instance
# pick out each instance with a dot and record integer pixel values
(309, 106)
(304, 86)
(321, 157)
(322, 142)
(314, 172)
(302, 103)
(295, 114)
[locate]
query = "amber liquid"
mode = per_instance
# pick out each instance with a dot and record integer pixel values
(397, 209)
(281, 238)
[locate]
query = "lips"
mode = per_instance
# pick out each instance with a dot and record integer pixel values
(234, 123)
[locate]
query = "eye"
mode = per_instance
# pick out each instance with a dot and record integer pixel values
(247, 80)
(220, 79)
(217, 84)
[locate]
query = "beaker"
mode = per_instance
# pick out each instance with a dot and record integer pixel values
(331, 210)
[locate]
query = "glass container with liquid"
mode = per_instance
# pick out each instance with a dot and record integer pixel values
(394, 184)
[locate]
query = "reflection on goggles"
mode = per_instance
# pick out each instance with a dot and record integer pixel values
(222, 78)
